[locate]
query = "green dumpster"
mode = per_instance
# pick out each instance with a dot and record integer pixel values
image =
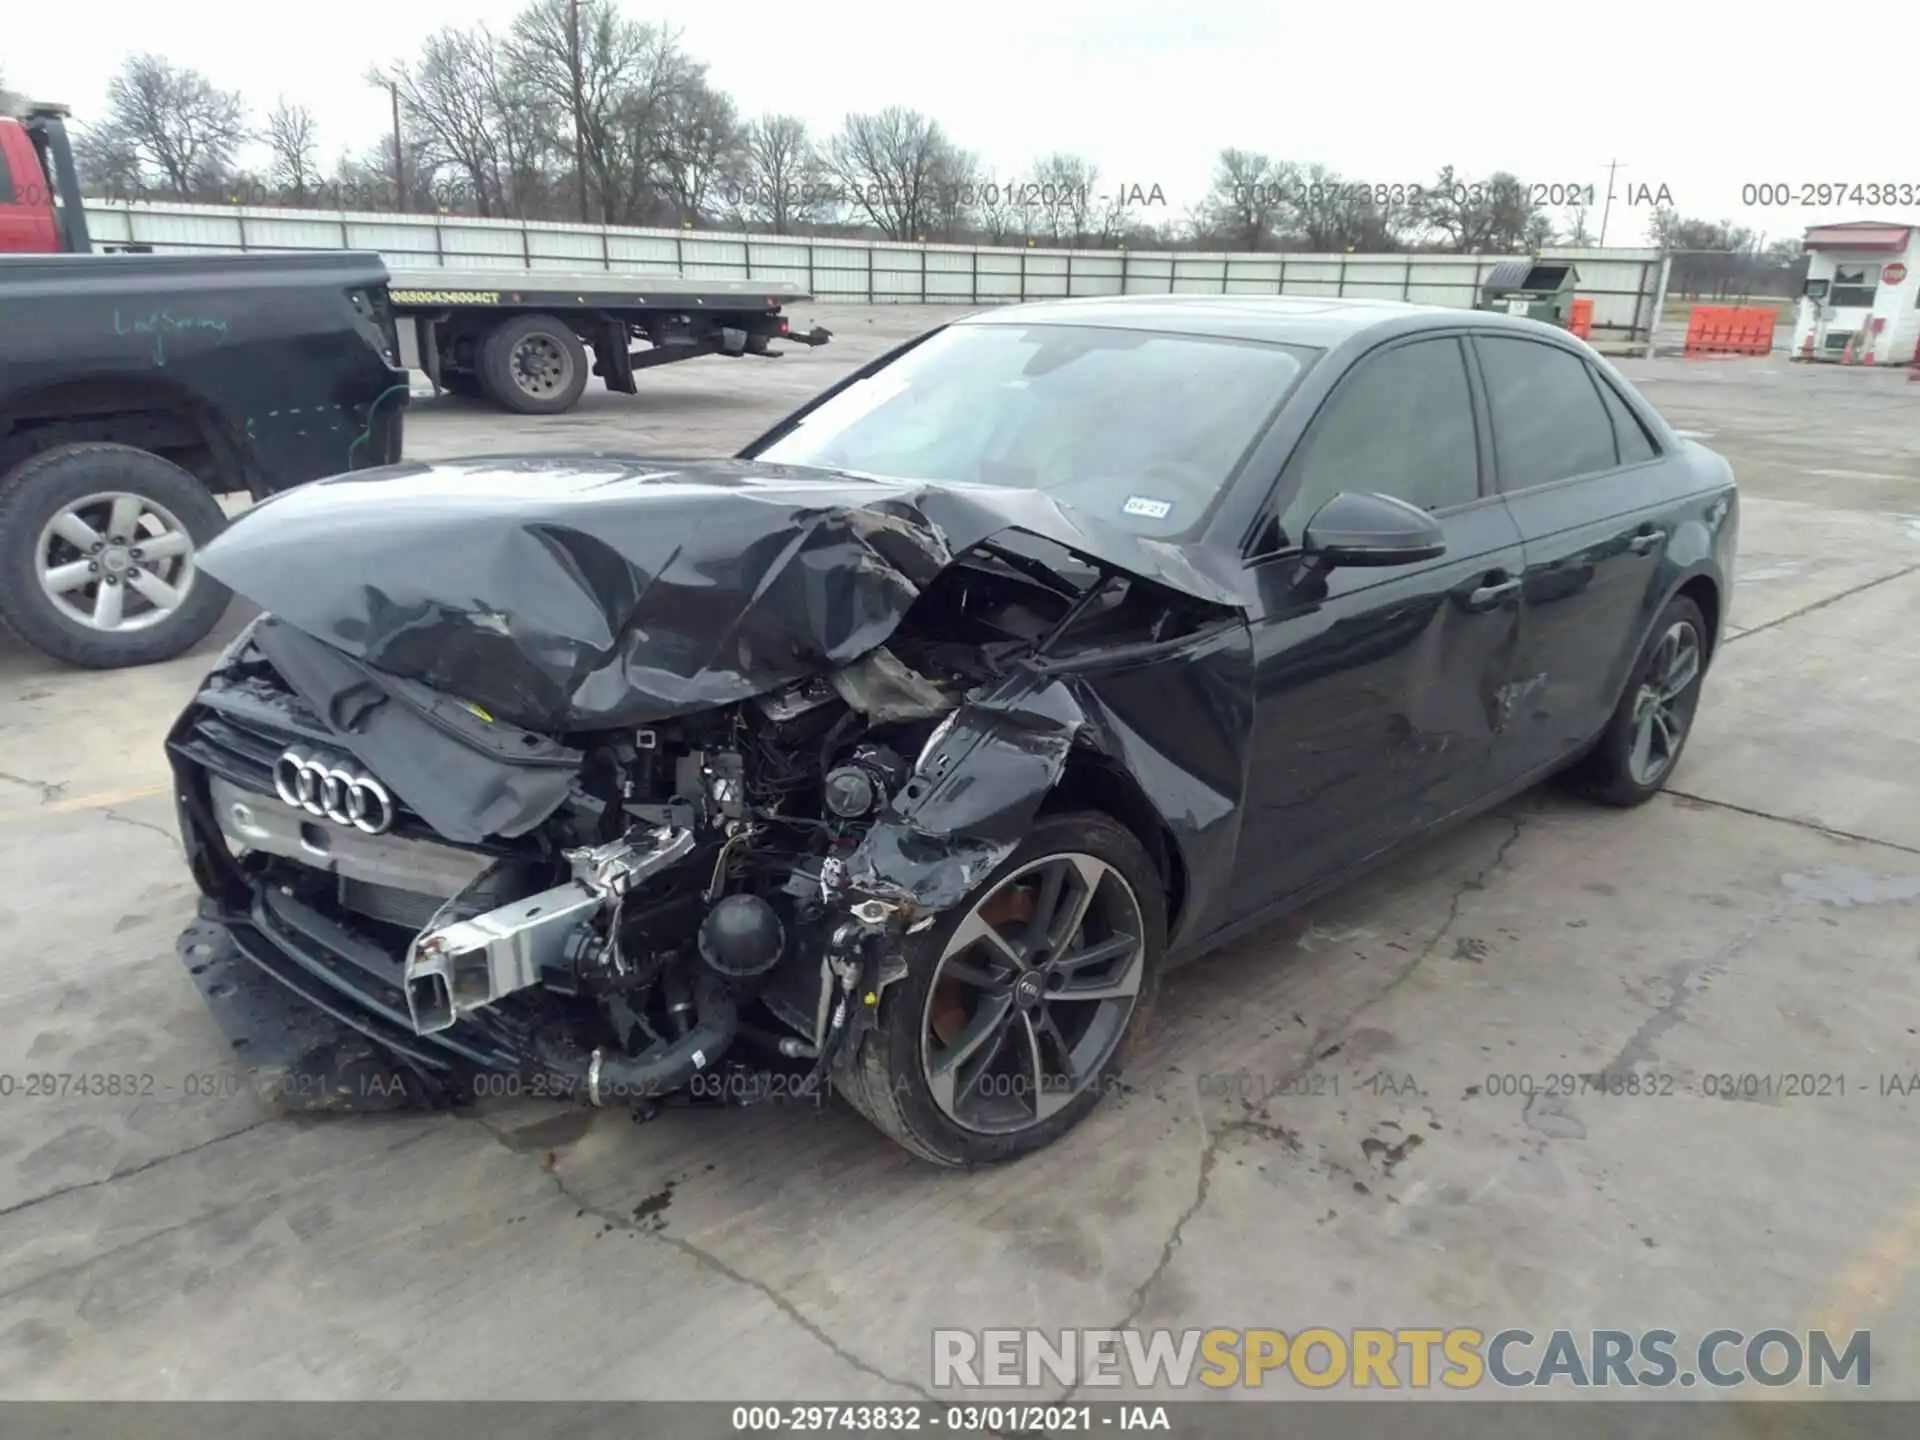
(1539, 290)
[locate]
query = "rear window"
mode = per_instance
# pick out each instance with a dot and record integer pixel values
(1634, 441)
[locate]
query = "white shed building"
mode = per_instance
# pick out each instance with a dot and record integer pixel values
(1862, 298)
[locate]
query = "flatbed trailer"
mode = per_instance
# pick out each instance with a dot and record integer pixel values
(528, 340)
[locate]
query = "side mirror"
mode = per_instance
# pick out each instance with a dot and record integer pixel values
(1370, 529)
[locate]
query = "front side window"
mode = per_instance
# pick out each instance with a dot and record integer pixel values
(1400, 425)
(1140, 429)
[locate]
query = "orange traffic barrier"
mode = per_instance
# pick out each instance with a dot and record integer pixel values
(1580, 319)
(1730, 330)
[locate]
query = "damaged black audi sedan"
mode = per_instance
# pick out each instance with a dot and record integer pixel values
(900, 752)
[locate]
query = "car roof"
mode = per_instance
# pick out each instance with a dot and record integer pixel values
(1321, 322)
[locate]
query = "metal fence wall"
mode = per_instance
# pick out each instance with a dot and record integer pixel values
(1627, 286)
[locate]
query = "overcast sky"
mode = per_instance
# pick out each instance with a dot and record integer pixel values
(1696, 95)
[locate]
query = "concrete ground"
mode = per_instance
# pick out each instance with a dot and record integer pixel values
(1370, 1162)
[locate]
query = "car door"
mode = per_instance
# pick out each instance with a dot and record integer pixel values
(1376, 689)
(1585, 482)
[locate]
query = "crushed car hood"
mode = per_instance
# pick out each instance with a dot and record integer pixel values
(580, 592)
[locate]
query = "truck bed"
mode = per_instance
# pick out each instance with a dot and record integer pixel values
(596, 289)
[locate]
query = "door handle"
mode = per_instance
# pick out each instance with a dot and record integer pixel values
(1645, 541)
(1487, 596)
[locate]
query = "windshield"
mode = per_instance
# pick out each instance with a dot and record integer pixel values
(1139, 428)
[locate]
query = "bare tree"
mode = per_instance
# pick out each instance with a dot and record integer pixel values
(703, 148)
(527, 127)
(1477, 216)
(1246, 199)
(1577, 232)
(1006, 212)
(108, 163)
(1328, 214)
(447, 98)
(368, 180)
(1068, 201)
(293, 141)
(11, 102)
(177, 121)
(780, 185)
(613, 79)
(891, 165)
(956, 196)
(1718, 259)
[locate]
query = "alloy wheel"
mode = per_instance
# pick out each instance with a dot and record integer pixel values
(1663, 705)
(115, 562)
(1032, 993)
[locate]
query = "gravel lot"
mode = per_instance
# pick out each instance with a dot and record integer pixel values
(1763, 919)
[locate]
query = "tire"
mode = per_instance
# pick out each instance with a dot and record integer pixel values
(78, 483)
(511, 355)
(1612, 772)
(889, 1077)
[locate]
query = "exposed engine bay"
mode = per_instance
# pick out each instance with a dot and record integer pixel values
(615, 910)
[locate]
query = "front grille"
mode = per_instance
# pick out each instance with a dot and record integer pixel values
(388, 903)
(244, 719)
(236, 750)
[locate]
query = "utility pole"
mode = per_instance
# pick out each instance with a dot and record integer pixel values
(399, 159)
(1607, 209)
(579, 105)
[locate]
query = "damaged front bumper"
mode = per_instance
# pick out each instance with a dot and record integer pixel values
(318, 1018)
(320, 1023)
(323, 1017)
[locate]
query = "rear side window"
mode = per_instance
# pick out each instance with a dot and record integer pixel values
(7, 194)
(1548, 420)
(1631, 436)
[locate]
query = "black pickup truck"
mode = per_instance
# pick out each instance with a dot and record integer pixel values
(135, 390)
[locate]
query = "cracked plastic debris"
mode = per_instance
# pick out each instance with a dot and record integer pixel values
(620, 593)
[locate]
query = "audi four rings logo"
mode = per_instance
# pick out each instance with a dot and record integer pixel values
(324, 787)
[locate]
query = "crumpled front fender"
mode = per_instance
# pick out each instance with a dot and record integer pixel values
(1175, 718)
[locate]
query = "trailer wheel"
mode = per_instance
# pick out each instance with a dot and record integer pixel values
(98, 545)
(534, 364)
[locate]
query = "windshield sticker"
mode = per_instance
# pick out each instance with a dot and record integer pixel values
(1147, 506)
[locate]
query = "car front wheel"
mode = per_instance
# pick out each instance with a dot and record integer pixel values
(1018, 1005)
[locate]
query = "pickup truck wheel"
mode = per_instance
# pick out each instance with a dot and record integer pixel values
(534, 364)
(97, 556)
(1018, 1004)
